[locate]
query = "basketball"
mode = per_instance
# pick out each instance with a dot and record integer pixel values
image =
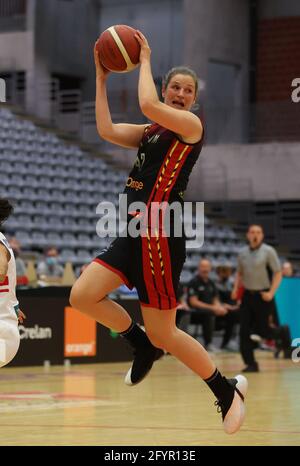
(118, 49)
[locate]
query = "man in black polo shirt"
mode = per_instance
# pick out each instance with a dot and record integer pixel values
(203, 299)
(256, 263)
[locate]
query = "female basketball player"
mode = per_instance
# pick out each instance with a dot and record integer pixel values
(9, 306)
(168, 149)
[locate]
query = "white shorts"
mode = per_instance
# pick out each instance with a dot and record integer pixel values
(9, 341)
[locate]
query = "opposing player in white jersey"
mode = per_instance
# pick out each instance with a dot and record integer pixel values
(9, 306)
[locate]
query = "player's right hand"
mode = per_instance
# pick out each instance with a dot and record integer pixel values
(101, 71)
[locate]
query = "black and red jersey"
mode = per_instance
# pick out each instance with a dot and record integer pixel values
(162, 167)
(152, 261)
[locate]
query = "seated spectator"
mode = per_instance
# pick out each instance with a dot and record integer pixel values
(22, 278)
(224, 284)
(287, 269)
(49, 270)
(204, 300)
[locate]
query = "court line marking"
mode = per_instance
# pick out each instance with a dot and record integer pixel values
(196, 429)
(40, 395)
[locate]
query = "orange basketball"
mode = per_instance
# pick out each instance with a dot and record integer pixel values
(118, 49)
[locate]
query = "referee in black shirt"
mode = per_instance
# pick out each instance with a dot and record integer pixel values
(256, 262)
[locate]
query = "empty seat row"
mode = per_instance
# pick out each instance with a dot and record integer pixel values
(9, 157)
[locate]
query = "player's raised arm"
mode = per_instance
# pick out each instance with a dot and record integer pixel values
(174, 113)
(122, 134)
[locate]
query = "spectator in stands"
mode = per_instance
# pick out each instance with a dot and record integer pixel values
(256, 262)
(49, 269)
(22, 278)
(224, 284)
(287, 269)
(204, 300)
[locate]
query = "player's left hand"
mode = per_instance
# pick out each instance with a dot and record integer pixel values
(267, 295)
(21, 316)
(145, 52)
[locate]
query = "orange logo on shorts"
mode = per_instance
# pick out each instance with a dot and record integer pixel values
(134, 184)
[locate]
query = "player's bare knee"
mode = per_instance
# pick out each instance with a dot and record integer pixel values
(81, 299)
(73, 297)
(156, 338)
(166, 338)
(77, 299)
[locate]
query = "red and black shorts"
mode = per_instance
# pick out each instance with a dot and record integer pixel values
(150, 264)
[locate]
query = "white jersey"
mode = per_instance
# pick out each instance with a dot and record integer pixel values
(8, 300)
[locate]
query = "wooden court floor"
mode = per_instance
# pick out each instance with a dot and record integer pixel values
(90, 405)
